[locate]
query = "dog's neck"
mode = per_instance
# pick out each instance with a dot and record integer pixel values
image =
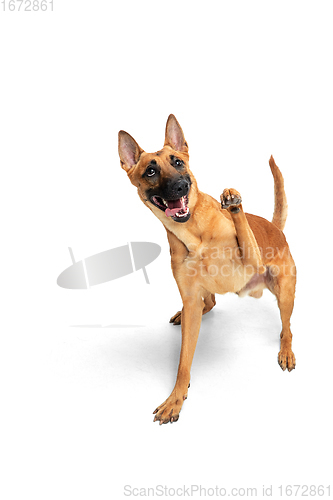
(197, 230)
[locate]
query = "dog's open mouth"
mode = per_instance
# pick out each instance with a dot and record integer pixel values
(177, 209)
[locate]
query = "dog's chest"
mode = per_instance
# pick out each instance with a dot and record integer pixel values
(214, 260)
(217, 269)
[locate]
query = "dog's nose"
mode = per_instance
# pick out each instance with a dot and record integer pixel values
(181, 187)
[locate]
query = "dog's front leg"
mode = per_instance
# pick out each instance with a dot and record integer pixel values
(250, 252)
(191, 321)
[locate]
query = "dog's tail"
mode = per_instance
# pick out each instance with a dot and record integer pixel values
(280, 199)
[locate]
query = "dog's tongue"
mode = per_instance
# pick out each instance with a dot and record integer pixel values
(173, 207)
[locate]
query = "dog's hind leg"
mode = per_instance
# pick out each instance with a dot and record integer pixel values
(176, 319)
(210, 302)
(282, 285)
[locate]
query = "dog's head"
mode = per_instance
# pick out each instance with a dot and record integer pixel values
(164, 181)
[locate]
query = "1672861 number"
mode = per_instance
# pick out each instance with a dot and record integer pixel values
(302, 490)
(27, 5)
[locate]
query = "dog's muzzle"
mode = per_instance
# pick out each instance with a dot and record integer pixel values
(174, 202)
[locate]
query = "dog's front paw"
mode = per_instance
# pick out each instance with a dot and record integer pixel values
(286, 359)
(170, 409)
(230, 200)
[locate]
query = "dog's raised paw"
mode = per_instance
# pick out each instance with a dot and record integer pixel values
(286, 360)
(230, 200)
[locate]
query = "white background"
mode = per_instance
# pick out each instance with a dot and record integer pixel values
(245, 80)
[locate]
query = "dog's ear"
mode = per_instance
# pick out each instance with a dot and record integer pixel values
(129, 150)
(174, 135)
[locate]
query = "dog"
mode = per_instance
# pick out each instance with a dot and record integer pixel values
(215, 247)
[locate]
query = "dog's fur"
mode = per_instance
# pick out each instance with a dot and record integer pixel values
(215, 248)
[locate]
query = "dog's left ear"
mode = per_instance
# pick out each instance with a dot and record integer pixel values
(129, 150)
(174, 135)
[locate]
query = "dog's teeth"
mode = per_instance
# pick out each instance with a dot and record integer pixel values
(165, 203)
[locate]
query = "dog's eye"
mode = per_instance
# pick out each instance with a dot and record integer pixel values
(150, 172)
(176, 162)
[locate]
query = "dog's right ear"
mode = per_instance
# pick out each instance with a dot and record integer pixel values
(129, 150)
(174, 136)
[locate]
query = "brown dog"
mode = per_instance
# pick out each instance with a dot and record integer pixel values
(215, 248)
